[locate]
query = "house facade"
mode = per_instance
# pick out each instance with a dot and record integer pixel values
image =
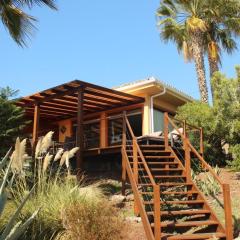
(90, 116)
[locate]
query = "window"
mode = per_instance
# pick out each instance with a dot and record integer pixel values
(158, 120)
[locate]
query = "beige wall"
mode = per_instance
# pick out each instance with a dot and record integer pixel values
(167, 102)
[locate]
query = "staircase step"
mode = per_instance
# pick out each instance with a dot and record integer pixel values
(170, 193)
(151, 145)
(152, 151)
(187, 202)
(187, 224)
(165, 176)
(167, 184)
(196, 236)
(159, 163)
(179, 193)
(152, 169)
(173, 170)
(181, 212)
(155, 157)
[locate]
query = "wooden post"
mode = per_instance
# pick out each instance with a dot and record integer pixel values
(135, 170)
(124, 173)
(157, 213)
(187, 159)
(35, 126)
(228, 212)
(184, 128)
(103, 130)
(201, 142)
(166, 130)
(79, 138)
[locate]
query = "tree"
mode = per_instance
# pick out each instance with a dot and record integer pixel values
(198, 28)
(11, 119)
(221, 122)
(19, 24)
(184, 17)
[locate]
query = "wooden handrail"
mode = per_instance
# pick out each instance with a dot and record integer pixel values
(140, 154)
(205, 164)
(129, 126)
(141, 208)
(133, 177)
(225, 187)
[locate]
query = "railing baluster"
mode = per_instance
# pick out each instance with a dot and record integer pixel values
(135, 170)
(187, 159)
(184, 128)
(201, 142)
(157, 212)
(228, 211)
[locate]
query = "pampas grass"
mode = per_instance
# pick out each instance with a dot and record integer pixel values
(67, 155)
(18, 156)
(47, 159)
(43, 144)
(58, 154)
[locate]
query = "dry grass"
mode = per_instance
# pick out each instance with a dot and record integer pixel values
(91, 221)
(235, 211)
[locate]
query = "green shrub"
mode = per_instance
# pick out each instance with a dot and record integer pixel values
(53, 203)
(235, 163)
(207, 183)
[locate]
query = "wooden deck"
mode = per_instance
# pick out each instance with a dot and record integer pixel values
(105, 150)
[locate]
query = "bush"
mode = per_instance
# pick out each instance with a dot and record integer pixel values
(62, 201)
(11, 119)
(235, 163)
(91, 220)
(55, 203)
(221, 122)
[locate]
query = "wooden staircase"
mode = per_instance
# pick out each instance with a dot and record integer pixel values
(169, 202)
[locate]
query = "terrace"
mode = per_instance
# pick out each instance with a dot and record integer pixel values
(84, 115)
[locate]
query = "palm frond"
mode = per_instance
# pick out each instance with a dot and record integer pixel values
(19, 24)
(31, 3)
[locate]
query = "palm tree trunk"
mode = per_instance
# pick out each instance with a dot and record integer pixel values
(197, 48)
(213, 67)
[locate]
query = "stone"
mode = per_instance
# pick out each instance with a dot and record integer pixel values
(134, 219)
(118, 200)
(237, 176)
(129, 198)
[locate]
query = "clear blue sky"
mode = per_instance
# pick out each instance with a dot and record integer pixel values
(104, 42)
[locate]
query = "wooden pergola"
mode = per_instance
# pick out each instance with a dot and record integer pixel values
(73, 99)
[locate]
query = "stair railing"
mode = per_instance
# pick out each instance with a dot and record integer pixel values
(133, 178)
(189, 149)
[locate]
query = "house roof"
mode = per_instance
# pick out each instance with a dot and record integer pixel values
(157, 82)
(62, 101)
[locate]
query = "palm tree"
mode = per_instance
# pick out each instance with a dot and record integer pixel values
(198, 28)
(186, 17)
(19, 24)
(216, 41)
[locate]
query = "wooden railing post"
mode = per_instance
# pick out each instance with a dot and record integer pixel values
(124, 140)
(187, 159)
(184, 128)
(166, 130)
(135, 170)
(124, 130)
(157, 213)
(201, 142)
(228, 212)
